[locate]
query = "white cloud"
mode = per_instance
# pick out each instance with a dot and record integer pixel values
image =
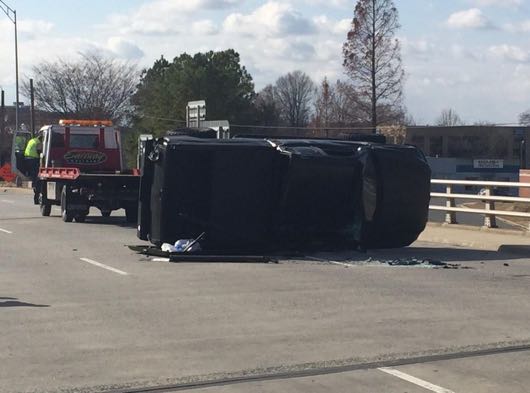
(161, 17)
(511, 53)
(421, 48)
(273, 19)
(521, 27)
(205, 26)
(469, 19)
(27, 28)
(124, 49)
(327, 3)
(327, 25)
(498, 3)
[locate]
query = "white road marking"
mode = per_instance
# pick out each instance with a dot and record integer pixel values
(7, 201)
(104, 266)
(6, 231)
(160, 260)
(414, 380)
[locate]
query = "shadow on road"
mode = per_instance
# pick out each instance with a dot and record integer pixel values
(13, 302)
(447, 254)
(116, 221)
(451, 255)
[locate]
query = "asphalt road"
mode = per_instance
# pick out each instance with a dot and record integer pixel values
(80, 312)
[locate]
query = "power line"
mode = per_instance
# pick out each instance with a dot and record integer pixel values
(164, 118)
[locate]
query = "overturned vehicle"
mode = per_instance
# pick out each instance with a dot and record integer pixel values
(272, 195)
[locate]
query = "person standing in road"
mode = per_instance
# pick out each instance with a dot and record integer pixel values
(32, 156)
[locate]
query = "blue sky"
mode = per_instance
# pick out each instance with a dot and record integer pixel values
(469, 55)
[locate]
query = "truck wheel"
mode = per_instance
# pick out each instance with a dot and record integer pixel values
(45, 209)
(80, 218)
(131, 213)
(105, 213)
(66, 214)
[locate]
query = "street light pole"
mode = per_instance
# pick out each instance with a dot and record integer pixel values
(12, 15)
(16, 69)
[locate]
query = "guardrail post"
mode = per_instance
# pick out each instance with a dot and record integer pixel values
(489, 219)
(450, 217)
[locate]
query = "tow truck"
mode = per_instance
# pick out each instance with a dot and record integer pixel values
(81, 166)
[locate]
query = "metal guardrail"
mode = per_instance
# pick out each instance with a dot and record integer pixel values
(489, 199)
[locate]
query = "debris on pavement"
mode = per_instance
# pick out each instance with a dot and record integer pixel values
(199, 256)
(397, 262)
(418, 262)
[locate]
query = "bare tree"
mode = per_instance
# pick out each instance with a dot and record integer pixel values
(267, 110)
(484, 123)
(372, 58)
(346, 110)
(93, 87)
(524, 118)
(324, 105)
(449, 118)
(294, 93)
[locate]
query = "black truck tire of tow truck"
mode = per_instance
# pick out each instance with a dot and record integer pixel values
(45, 207)
(131, 213)
(66, 214)
(80, 218)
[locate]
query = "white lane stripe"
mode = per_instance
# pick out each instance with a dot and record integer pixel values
(414, 380)
(6, 201)
(5, 231)
(160, 260)
(104, 266)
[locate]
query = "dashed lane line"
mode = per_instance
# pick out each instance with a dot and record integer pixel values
(7, 201)
(103, 266)
(416, 381)
(6, 231)
(160, 260)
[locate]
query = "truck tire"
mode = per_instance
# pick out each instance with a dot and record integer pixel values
(45, 209)
(80, 218)
(131, 213)
(66, 213)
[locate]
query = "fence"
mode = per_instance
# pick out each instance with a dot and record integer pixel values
(486, 195)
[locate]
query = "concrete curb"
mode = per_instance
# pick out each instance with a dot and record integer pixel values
(18, 190)
(499, 240)
(498, 231)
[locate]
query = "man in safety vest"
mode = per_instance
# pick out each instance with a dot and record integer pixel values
(32, 156)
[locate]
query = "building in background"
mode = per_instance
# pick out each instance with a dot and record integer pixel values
(6, 135)
(473, 152)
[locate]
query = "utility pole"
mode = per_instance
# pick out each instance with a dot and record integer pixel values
(12, 15)
(32, 108)
(2, 126)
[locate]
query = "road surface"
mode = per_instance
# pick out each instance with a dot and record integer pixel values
(80, 312)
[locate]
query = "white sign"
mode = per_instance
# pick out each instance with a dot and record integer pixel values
(196, 110)
(488, 164)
